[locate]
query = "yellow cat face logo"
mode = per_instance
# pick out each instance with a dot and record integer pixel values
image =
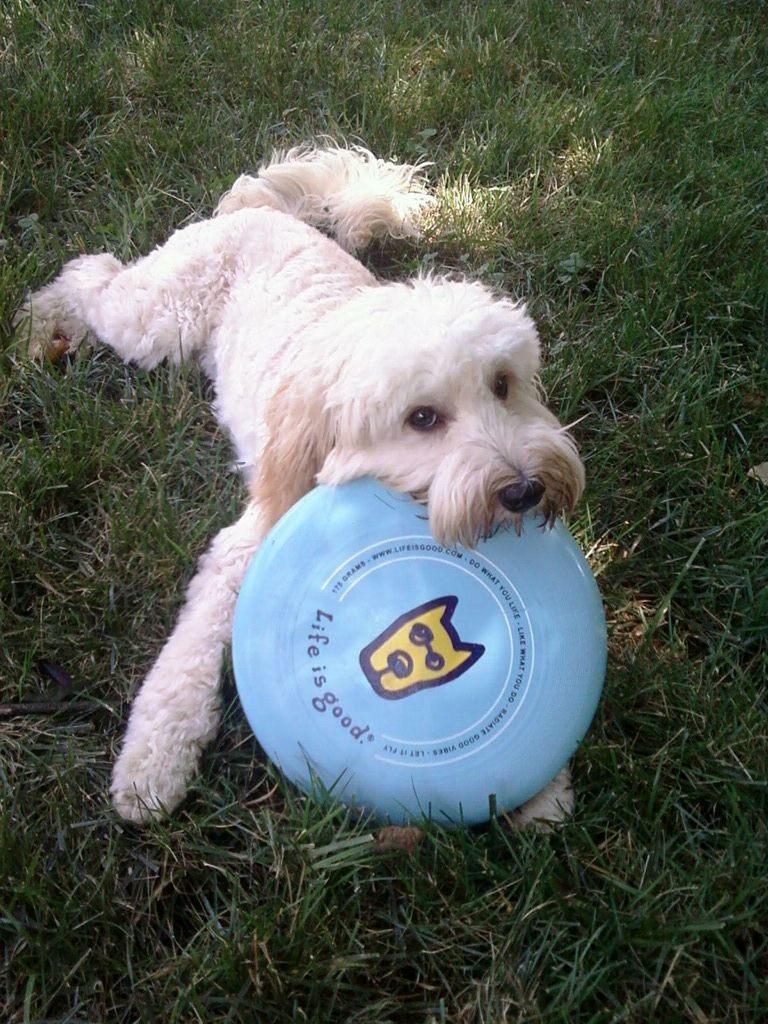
(420, 649)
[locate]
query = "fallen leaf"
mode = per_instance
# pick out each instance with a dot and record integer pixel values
(57, 348)
(405, 840)
(760, 472)
(753, 400)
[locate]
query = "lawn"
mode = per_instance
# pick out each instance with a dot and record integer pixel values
(605, 162)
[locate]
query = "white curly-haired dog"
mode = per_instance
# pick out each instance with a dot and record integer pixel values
(322, 374)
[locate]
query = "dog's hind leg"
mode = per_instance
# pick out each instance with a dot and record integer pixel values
(177, 710)
(345, 191)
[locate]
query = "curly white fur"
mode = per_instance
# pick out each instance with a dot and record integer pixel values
(318, 369)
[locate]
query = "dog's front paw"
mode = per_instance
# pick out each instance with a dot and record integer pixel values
(136, 803)
(150, 781)
(551, 807)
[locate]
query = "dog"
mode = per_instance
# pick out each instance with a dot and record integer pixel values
(322, 373)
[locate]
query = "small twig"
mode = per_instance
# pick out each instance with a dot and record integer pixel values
(45, 707)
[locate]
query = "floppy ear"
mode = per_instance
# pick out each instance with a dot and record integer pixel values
(298, 440)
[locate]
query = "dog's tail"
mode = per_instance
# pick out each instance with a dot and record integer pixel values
(348, 192)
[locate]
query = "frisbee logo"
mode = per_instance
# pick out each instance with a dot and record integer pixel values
(420, 649)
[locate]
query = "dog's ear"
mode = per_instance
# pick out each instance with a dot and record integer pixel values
(299, 438)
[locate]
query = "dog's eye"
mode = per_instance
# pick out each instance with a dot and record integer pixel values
(501, 386)
(425, 418)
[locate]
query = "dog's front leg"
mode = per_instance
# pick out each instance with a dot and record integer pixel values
(177, 710)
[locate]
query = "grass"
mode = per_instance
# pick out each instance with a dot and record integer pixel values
(607, 165)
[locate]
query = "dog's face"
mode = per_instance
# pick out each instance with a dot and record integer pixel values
(437, 397)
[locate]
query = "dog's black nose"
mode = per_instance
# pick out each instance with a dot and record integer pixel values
(521, 496)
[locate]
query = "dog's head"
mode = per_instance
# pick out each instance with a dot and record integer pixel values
(430, 387)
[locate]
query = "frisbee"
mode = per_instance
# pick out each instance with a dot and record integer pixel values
(412, 680)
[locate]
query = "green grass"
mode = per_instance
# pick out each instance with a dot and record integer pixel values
(606, 162)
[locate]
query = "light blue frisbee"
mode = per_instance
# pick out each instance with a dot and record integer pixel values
(412, 680)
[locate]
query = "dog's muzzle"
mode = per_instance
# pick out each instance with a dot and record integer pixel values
(522, 495)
